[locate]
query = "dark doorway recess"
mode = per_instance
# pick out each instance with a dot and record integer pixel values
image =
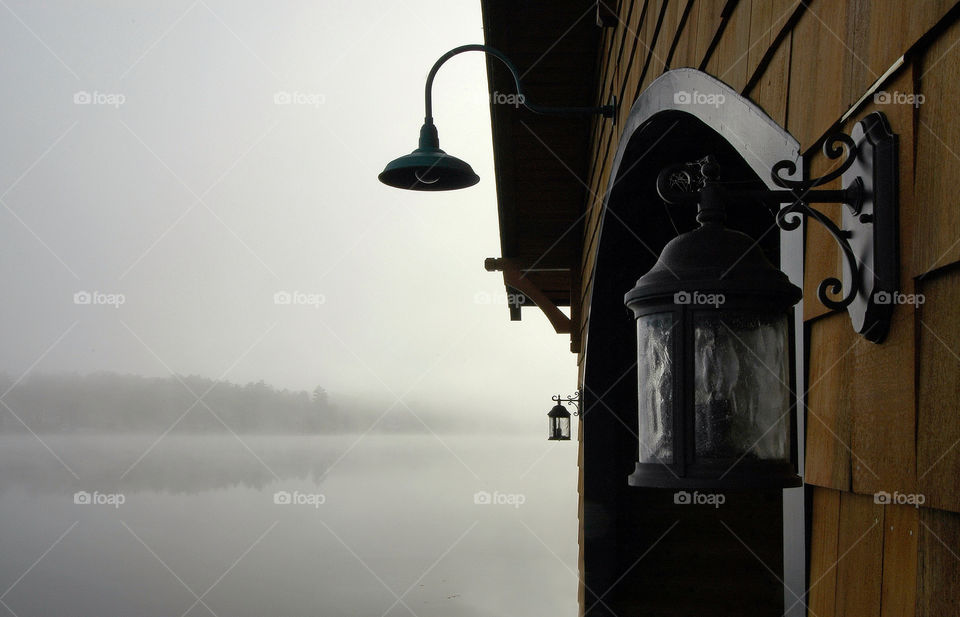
(644, 553)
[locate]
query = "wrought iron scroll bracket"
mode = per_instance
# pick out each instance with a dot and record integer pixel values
(803, 193)
(868, 235)
(573, 400)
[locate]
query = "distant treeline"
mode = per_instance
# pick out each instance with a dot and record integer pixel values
(113, 402)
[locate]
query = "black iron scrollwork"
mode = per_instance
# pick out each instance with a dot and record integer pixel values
(682, 184)
(831, 284)
(833, 148)
(573, 400)
(866, 163)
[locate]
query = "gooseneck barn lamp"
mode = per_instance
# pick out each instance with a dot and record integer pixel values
(428, 168)
(717, 401)
(559, 417)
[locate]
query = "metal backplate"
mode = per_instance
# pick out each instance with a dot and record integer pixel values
(874, 228)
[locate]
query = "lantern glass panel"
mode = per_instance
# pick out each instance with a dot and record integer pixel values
(741, 392)
(655, 381)
(560, 428)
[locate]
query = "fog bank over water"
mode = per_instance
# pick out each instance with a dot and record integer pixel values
(111, 402)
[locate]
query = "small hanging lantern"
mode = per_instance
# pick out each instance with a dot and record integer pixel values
(559, 418)
(559, 423)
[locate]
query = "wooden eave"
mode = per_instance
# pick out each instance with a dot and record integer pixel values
(541, 162)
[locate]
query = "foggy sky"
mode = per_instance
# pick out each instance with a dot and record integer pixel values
(186, 187)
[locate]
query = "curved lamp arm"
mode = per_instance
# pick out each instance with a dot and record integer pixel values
(607, 111)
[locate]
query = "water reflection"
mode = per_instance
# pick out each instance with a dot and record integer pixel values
(176, 464)
(399, 531)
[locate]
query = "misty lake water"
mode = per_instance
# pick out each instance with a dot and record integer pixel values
(380, 525)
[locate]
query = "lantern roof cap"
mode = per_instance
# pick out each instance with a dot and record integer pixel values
(715, 259)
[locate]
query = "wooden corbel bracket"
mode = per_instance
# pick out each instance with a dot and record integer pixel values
(512, 277)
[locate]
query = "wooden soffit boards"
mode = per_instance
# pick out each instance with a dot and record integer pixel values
(541, 162)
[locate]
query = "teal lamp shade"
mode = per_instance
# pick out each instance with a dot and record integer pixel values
(428, 168)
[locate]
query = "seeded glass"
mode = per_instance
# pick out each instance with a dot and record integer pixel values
(655, 382)
(560, 428)
(741, 395)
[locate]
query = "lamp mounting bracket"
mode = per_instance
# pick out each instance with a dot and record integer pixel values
(573, 400)
(868, 234)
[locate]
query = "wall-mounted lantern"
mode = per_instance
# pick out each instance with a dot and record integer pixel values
(717, 400)
(428, 168)
(559, 417)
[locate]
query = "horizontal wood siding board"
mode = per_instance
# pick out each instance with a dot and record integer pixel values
(938, 158)
(883, 409)
(860, 542)
(687, 6)
(665, 39)
(686, 48)
(780, 39)
(718, 33)
(626, 32)
(770, 93)
(938, 428)
(830, 371)
(598, 122)
(728, 61)
(815, 102)
(637, 51)
(901, 535)
(825, 527)
(652, 33)
(625, 65)
(938, 593)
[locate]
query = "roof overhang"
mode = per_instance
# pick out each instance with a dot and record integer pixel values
(541, 162)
